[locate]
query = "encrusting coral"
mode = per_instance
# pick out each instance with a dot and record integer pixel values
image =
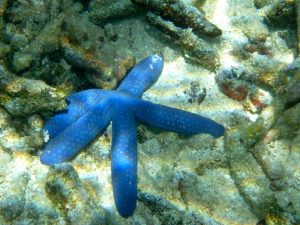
(17, 95)
(193, 47)
(185, 25)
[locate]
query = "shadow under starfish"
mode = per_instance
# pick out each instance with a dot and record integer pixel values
(89, 112)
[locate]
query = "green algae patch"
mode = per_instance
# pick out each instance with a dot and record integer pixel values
(26, 105)
(4, 49)
(66, 191)
(21, 96)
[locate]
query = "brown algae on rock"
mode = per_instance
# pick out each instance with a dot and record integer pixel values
(194, 48)
(182, 15)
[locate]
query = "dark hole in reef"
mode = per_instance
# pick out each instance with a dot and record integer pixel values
(83, 83)
(261, 222)
(291, 104)
(7, 12)
(85, 4)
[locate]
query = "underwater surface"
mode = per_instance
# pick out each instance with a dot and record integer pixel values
(204, 99)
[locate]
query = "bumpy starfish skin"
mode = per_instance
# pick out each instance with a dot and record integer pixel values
(89, 113)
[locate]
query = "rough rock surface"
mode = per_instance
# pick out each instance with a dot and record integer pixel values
(49, 49)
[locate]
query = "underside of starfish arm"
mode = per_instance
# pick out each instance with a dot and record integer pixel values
(176, 120)
(142, 76)
(78, 104)
(124, 161)
(76, 136)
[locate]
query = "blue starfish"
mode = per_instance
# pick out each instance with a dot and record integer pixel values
(89, 113)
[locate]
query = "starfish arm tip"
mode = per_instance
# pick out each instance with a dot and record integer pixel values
(124, 163)
(143, 75)
(176, 120)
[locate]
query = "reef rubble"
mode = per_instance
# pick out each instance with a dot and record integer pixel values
(245, 75)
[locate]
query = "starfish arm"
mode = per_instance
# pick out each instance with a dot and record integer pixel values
(76, 136)
(142, 76)
(176, 120)
(124, 162)
(78, 104)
